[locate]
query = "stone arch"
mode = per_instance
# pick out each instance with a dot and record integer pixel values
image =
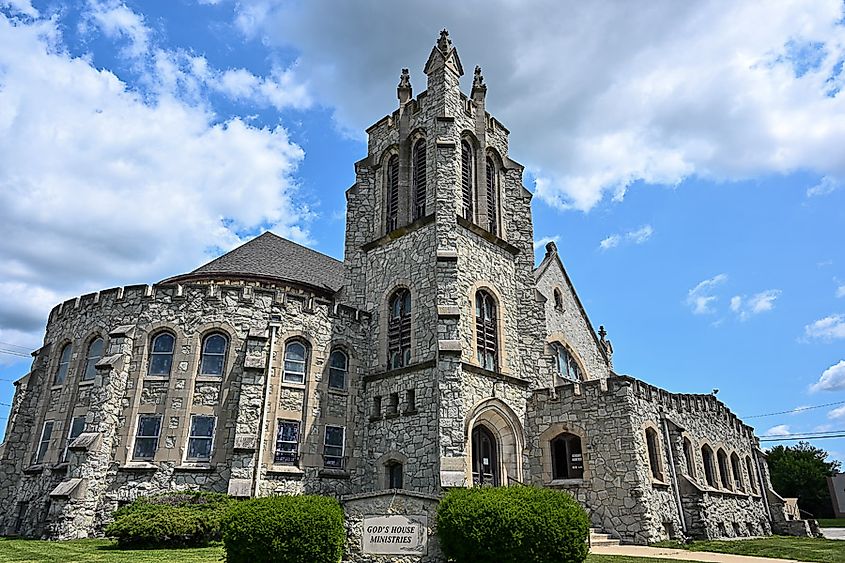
(546, 438)
(560, 337)
(382, 187)
(498, 418)
(384, 318)
(654, 451)
(382, 463)
(85, 345)
(207, 329)
(490, 288)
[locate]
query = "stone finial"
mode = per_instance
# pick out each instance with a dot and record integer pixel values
(606, 345)
(404, 91)
(479, 88)
(551, 248)
(444, 43)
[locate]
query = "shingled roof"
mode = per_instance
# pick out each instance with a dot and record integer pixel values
(272, 257)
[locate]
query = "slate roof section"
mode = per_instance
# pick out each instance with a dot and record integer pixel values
(272, 257)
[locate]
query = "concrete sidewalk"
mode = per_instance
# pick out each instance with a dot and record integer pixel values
(680, 554)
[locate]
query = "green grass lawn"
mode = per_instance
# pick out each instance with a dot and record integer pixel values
(831, 522)
(802, 549)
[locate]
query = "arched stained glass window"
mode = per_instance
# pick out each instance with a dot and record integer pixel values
(492, 198)
(94, 355)
(567, 366)
(64, 364)
(654, 458)
(399, 329)
(709, 466)
(296, 355)
(161, 357)
(213, 354)
(338, 369)
(466, 180)
(419, 160)
(392, 192)
(486, 331)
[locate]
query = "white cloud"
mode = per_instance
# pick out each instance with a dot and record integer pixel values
(636, 236)
(100, 185)
(21, 7)
(827, 328)
(838, 412)
(116, 20)
(684, 89)
(840, 291)
(700, 298)
(754, 305)
(826, 185)
(540, 243)
(779, 430)
(823, 428)
(832, 379)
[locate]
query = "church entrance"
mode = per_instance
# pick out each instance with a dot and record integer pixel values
(485, 463)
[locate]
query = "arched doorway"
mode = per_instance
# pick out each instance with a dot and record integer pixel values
(485, 462)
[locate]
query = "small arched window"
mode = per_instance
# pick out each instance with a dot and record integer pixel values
(709, 466)
(567, 459)
(64, 364)
(213, 354)
(393, 474)
(492, 198)
(399, 329)
(724, 472)
(567, 366)
(558, 299)
(94, 355)
(419, 160)
(736, 469)
(296, 355)
(161, 357)
(486, 331)
(338, 369)
(654, 459)
(466, 180)
(392, 192)
(752, 481)
(689, 458)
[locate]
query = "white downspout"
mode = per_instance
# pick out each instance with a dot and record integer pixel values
(262, 420)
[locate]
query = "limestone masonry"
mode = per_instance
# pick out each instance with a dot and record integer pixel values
(434, 356)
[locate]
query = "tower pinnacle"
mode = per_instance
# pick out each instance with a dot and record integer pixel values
(404, 91)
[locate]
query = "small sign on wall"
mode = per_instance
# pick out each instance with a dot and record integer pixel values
(395, 535)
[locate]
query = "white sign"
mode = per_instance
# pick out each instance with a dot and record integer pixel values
(395, 535)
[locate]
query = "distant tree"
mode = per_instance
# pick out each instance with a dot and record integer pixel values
(801, 471)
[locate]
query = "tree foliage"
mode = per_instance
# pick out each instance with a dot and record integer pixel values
(801, 471)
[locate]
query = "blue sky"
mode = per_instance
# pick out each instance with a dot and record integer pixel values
(688, 162)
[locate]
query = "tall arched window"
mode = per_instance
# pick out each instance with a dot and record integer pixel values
(736, 470)
(466, 180)
(161, 357)
(689, 458)
(418, 156)
(399, 329)
(567, 366)
(752, 480)
(654, 459)
(724, 472)
(558, 299)
(296, 355)
(567, 459)
(709, 465)
(64, 364)
(338, 368)
(393, 474)
(492, 198)
(486, 331)
(213, 354)
(392, 192)
(94, 355)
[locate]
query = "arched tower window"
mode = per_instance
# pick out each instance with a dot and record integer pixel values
(655, 462)
(709, 466)
(338, 368)
(94, 355)
(567, 459)
(213, 354)
(161, 357)
(492, 198)
(567, 366)
(296, 360)
(466, 180)
(64, 364)
(418, 156)
(486, 333)
(392, 192)
(399, 329)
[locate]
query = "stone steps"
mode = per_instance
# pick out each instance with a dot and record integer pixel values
(599, 538)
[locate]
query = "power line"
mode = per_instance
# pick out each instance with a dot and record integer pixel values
(801, 438)
(797, 409)
(13, 353)
(26, 349)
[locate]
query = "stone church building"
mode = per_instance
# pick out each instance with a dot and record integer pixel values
(435, 355)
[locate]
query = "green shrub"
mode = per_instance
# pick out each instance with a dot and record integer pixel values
(512, 525)
(174, 519)
(293, 529)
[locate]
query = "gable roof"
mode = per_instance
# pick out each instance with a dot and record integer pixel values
(274, 258)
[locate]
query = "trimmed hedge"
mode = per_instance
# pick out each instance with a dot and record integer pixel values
(293, 529)
(175, 519)
(512, 525)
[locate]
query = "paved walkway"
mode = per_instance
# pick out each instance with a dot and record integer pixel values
(681, 554)
(834, 533)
